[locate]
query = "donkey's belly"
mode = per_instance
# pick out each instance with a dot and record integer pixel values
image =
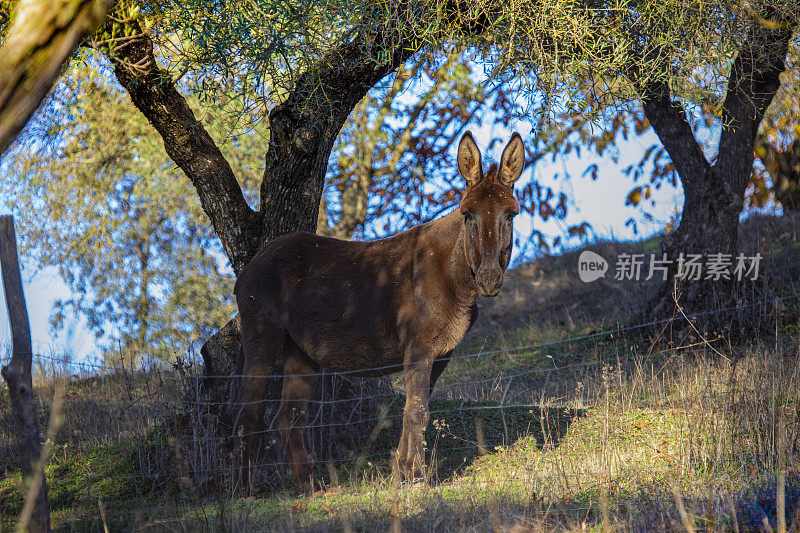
(339, 351)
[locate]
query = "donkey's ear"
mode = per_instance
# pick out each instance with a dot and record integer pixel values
(513, 161)
(469, 160)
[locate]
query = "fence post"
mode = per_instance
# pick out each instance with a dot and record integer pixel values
(20, 384)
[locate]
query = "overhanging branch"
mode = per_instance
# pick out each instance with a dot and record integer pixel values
(752, 85)
(304, 127)
(190, 146)
(42, 35)
(669, 121)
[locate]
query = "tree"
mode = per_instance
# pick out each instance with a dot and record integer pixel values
(714, 191)
(340, 50)
(302, 129)
(731, 90)
(37, 37)
(99, 200)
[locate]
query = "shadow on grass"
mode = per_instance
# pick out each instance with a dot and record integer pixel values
(460, 431)
(82, 477)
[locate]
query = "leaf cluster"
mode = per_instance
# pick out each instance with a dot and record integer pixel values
(98, 199)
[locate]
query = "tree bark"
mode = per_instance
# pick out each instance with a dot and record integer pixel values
(42, 35)
(714, 194)
(18, 377)
(190, 146)
(304, 128)
(302, 132)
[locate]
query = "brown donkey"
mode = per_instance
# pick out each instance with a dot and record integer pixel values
(372, 308)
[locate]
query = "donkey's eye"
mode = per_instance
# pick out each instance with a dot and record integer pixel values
(510, 216)
(468, 217)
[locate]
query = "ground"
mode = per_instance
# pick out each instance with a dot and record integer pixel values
(554, 415)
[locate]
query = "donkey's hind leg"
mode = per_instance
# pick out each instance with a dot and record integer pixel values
(261, 345)
(300, 378)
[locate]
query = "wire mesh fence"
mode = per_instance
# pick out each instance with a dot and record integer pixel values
(158, 431)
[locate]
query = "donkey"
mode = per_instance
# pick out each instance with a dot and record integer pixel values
(372, 308)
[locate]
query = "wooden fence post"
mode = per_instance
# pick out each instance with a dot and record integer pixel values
(18, 377)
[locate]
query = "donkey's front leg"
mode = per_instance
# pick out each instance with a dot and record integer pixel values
(411, 452)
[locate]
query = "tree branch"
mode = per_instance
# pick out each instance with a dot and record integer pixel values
(669, 121)
(753, 82)
(42, 35)
(190, 146)
(304, 128)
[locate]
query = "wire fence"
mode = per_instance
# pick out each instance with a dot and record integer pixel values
(169, 429)
(96, 366)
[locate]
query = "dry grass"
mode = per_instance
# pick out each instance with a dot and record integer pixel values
(597, 434)
(634, 437)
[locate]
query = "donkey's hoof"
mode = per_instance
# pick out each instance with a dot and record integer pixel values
(310, 488)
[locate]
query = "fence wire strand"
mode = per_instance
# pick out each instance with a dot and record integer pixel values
(394, 367)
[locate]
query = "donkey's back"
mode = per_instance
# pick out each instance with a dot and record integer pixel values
(339, 301)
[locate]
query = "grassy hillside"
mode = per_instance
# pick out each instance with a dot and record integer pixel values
(549, 418)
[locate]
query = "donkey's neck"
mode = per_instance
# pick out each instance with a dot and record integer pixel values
(445, 238)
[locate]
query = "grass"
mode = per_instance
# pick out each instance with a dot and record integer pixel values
(596, 434)
(616, 450)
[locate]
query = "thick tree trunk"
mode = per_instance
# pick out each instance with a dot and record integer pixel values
(42, 36)
(304, 128)
(714, 194)
(220, 353)
(709, 225)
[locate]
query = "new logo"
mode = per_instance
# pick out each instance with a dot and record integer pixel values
(591, 266)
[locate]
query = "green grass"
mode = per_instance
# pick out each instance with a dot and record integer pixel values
(77, 479)
(575, 435)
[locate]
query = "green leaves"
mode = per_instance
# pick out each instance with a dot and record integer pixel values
(100, 201)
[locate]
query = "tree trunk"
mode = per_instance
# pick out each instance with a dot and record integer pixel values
(20, 384)
(220, 353)
(42, 36)
(714, 194)
(709, 225)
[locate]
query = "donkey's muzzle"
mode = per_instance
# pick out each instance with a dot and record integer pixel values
(489, 281)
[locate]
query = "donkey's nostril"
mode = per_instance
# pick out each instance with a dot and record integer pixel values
(489, 281)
